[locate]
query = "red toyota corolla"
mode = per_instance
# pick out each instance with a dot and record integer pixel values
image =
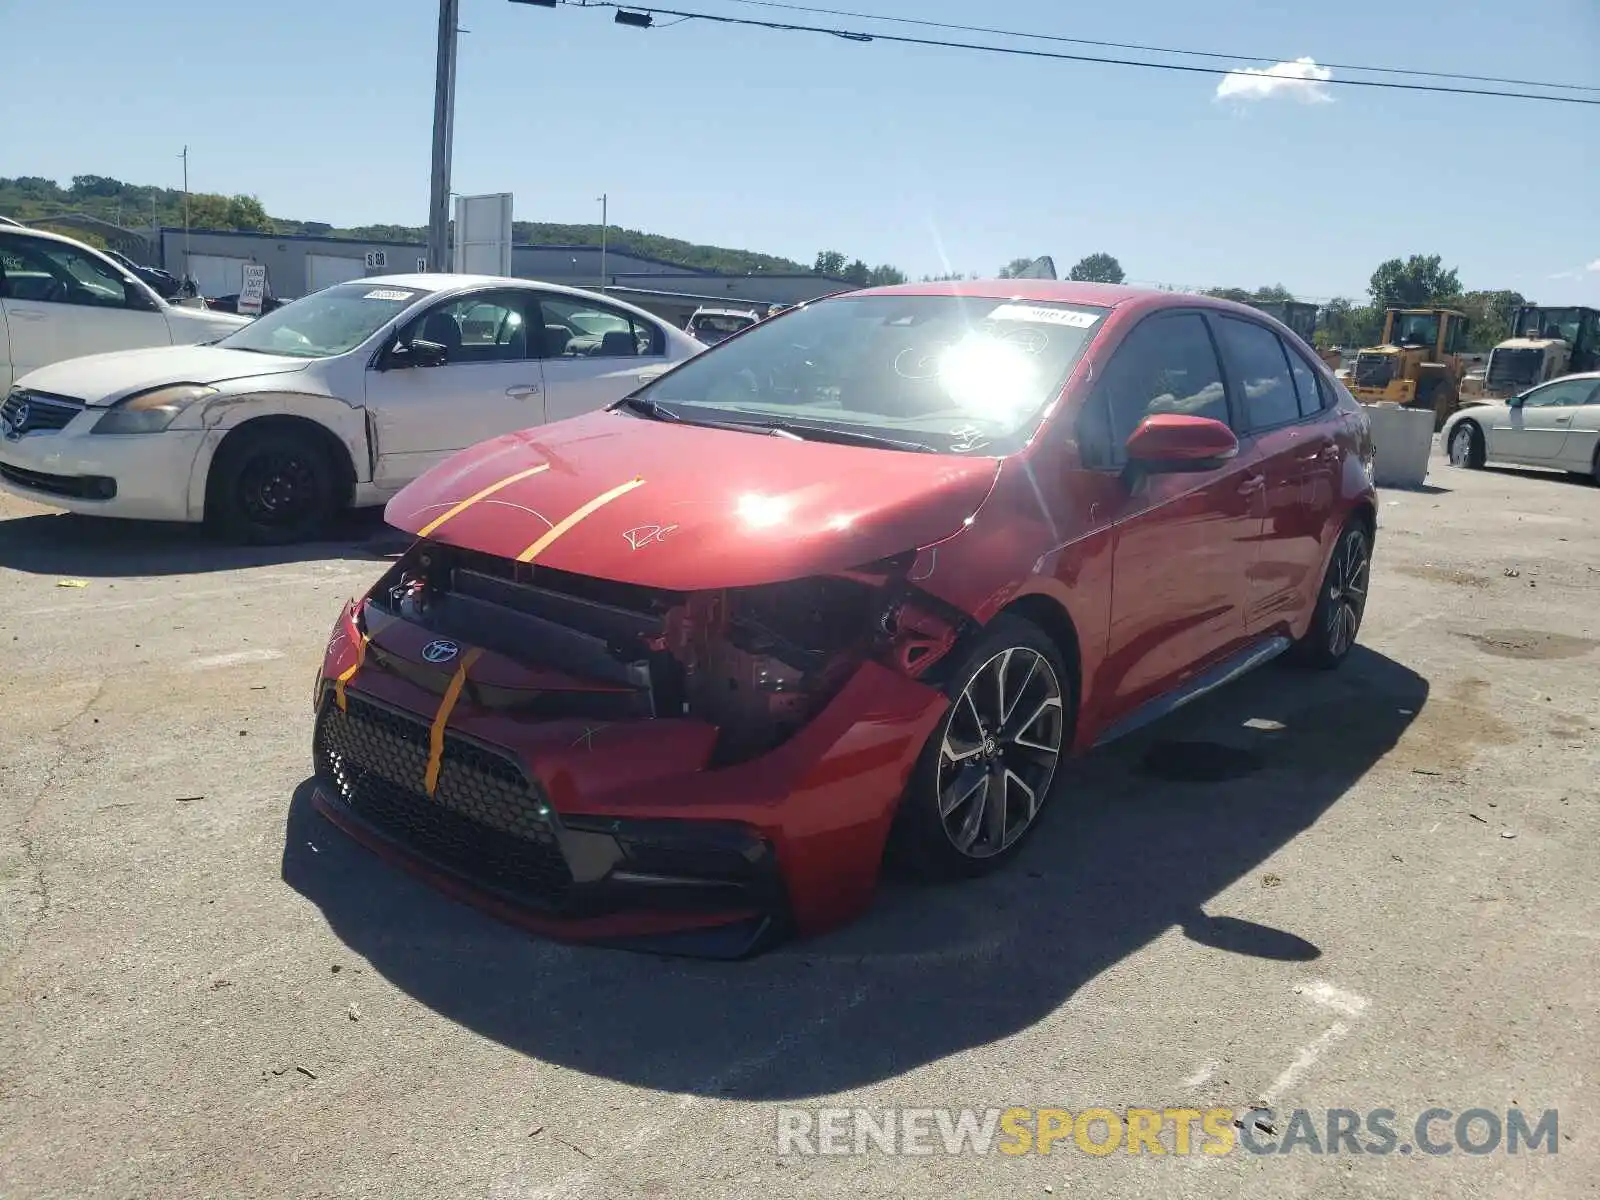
(675, 674)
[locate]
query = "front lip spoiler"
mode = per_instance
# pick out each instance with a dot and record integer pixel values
(725, 934)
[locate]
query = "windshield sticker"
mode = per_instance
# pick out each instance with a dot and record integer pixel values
(1040, 315)
(386, 294)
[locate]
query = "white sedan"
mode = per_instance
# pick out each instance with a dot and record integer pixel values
(1556, 424)
(60, 298)
(337, 399)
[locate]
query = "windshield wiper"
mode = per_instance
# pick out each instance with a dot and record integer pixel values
(647, 408)
(830, 433)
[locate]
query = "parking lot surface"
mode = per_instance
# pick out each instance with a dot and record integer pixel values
(1369, 889)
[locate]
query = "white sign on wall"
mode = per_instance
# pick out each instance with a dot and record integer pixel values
(254, 289)
(377, 260)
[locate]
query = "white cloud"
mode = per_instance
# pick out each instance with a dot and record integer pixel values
(1301, 80)
(1594, 266)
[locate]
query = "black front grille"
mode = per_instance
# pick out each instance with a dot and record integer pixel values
(1517, 368)
(1374, 370)
(76, 487)
(486, 820)
(26, 411)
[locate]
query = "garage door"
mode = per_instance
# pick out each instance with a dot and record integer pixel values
(325, 270)
(217, 274)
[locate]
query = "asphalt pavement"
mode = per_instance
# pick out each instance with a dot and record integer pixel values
(1371, 889)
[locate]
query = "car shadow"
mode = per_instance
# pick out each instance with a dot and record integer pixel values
(1143, 837)
(70, 544)
(1545, 473)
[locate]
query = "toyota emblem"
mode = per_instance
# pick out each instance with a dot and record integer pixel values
(441, 651)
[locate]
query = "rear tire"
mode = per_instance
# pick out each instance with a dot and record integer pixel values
(271, 487)
(1465, 448)
(1341, 601)
(989, 767)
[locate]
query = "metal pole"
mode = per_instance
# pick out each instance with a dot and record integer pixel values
(605, 222)
(444, 113)
(185, 157)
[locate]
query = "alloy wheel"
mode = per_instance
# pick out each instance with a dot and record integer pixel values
(1347, 592)
(1001, 744)
(1461, 446)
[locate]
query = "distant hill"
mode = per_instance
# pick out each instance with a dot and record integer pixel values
(133, 205)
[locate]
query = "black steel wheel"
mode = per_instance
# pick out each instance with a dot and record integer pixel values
(271, 487)
(988, 769)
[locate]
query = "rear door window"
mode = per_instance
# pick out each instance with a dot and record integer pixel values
(1307, 384)
(1261, 368)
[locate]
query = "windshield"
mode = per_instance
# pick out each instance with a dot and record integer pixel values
(325, 323)
(1417, 329)
(961, 373)
(1563, 323)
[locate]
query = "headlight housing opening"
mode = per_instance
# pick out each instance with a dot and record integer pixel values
(152, 411)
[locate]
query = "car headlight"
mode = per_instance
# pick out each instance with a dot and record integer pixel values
(152, 411)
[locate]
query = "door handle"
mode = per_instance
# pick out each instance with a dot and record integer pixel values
(1252, 483)
(522, 391)
(1560, 420)
(27, 314)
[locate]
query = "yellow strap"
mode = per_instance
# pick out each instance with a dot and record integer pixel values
(567, 522)
(349, 672)
(476, 496)
(452, 693)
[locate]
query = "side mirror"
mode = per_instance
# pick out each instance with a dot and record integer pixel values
(1171, 443)
(418, 353)
(135, 297)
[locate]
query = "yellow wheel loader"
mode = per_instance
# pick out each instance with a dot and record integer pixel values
(1418, 365)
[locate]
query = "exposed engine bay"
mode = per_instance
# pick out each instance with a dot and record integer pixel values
(756, 662)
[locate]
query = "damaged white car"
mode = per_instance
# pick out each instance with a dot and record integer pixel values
(336, 400)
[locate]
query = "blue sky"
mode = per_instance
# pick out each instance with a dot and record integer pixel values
(790, 143)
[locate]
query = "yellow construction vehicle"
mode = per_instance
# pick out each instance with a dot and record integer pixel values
(1419, 363)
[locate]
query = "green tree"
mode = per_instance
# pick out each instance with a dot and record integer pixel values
(1418, 282)
(1015, 267)
(883, 275)
(830, 262)
(1492, 315)
(1097, 268)
(1343, 322)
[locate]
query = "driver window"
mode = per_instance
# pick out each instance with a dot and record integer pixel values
(1166, 365)
(481, 328)
(1561, 393)
(49, 272)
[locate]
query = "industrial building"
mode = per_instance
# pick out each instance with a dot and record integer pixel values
(299, 263)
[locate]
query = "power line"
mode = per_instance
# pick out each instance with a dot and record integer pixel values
(1055, 55)
(1055, 37)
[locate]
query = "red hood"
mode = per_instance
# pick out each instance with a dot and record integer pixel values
(682, 507)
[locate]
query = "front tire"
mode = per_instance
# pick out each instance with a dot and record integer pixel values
(1465, 448)
(271, 487)
(1341, 601)
(989, 767)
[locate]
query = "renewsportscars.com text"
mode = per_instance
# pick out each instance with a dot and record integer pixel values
(1178, 1131)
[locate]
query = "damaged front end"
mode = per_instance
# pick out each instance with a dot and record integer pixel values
(589, 749)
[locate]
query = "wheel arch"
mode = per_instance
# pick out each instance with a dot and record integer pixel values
(1050, 616)
(331, 443)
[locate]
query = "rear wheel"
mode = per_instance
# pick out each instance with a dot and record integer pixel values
(1341, 602)
(1465, 447)
(988, 769)
(271, 487)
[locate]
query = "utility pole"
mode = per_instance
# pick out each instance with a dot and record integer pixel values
(185, 157)
(605, 223)
(444, 117)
